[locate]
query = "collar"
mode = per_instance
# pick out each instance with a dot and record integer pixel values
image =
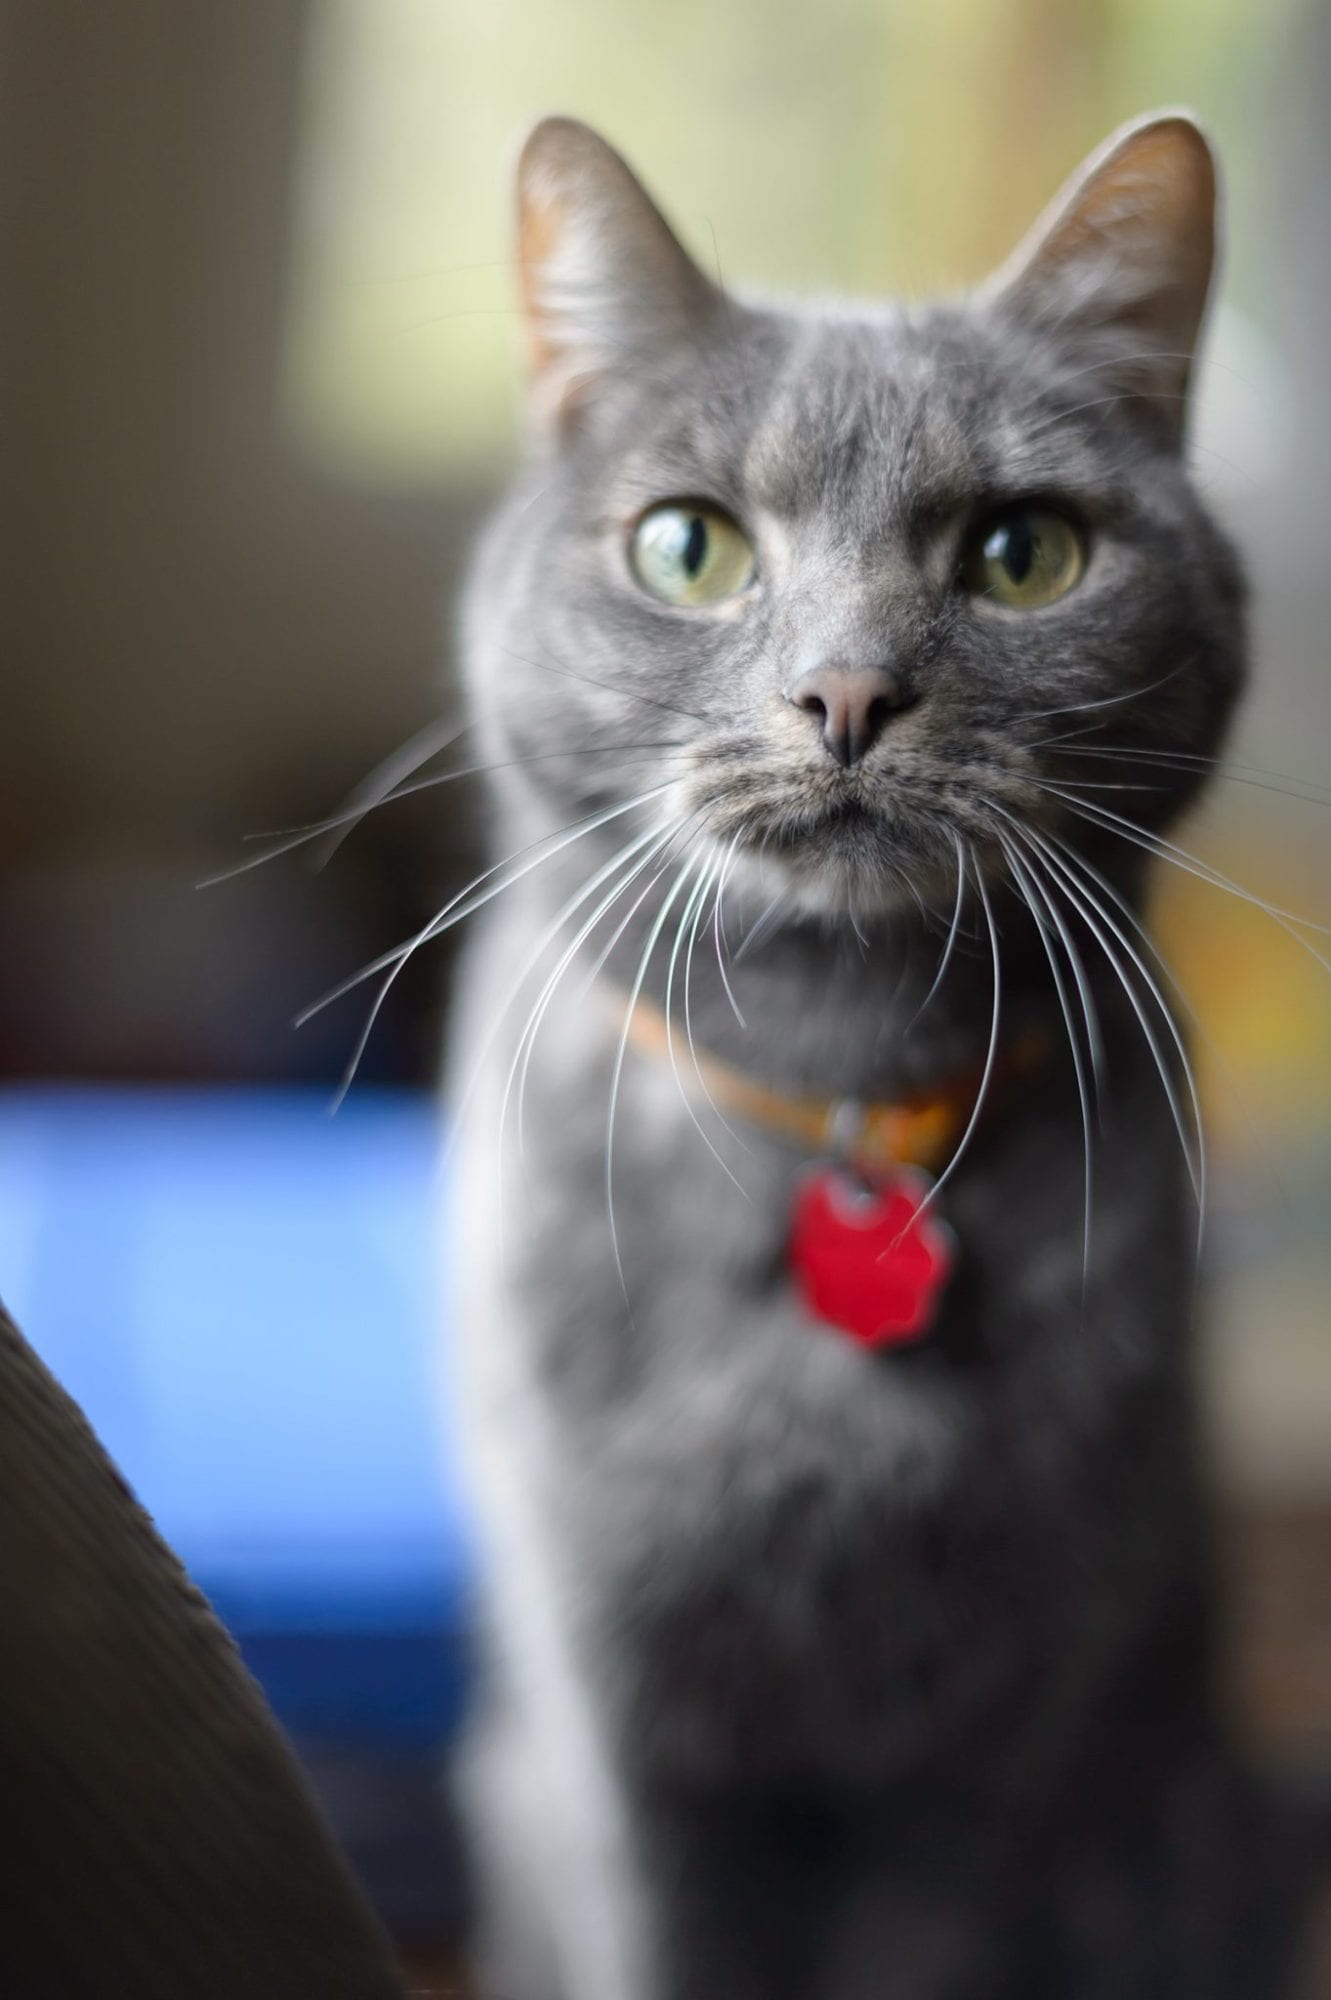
(919, 1130)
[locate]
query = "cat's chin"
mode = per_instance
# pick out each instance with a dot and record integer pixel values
(845, 868)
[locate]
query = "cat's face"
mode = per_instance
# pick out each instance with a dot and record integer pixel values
(858, 589)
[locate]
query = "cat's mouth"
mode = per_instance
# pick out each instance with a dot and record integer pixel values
(837, 823)
(844, 813)
(835, 853)
(866, 838)
(842, 826)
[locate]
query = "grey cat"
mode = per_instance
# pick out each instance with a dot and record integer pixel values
(844, 668)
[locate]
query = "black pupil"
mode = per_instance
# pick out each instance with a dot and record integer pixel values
(1016, 547)
(695, 545)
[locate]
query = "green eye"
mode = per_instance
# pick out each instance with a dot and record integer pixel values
(1025, 558)
(690, 555)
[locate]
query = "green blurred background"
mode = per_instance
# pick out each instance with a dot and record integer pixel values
(857, 146)
(259, 384)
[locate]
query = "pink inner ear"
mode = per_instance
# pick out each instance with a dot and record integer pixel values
(1161, 184)
(540, 225)
(1129, 240)
(1150, 207)
(602, 274)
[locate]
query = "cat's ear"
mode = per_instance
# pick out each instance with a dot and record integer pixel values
(1120, 263)
(604, 281)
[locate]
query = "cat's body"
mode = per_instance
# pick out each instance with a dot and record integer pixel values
(822, 1672)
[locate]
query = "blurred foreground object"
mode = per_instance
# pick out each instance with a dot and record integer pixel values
(239, 1290)
(158, 1840)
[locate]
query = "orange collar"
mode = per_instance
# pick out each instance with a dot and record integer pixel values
(921, 1130)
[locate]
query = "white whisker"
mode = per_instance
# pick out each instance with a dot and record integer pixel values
(1094, 1039)
(380, 784)
(991, 1053)
(285, 841)
(1097, 919)
(630, 863)
(542, 945)
(464, 904)
(1166, 850)
(945, 957)
(714, 877)
(1110, 700)
(1193, 765)
(719, 931)
(1125, 909)
(1031, 887)
(764, 925)
(602, 957)
(693, 903)
(635, 994)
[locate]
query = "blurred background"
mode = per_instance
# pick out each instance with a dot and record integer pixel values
(258, 384)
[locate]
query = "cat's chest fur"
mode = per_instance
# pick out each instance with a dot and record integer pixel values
(827, 1561)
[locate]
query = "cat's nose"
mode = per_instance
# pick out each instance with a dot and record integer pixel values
(852, 705)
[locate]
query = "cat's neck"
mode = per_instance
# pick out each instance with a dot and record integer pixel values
(869, 1009)
(838, 1010)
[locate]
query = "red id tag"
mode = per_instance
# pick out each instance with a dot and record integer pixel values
(865, 1259)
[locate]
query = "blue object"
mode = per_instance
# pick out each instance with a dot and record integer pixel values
(242, 1292)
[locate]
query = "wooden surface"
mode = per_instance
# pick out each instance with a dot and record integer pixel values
(1279, 1578)
(1279, 1583)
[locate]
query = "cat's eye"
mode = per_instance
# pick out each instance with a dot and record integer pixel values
(690, 554)
(1024, 558)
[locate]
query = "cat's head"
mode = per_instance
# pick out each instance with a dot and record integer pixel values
(860, 587)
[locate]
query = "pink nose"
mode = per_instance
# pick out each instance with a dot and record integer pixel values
(852, 705)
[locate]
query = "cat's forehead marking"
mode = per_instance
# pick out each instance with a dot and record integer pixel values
(860, 421)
